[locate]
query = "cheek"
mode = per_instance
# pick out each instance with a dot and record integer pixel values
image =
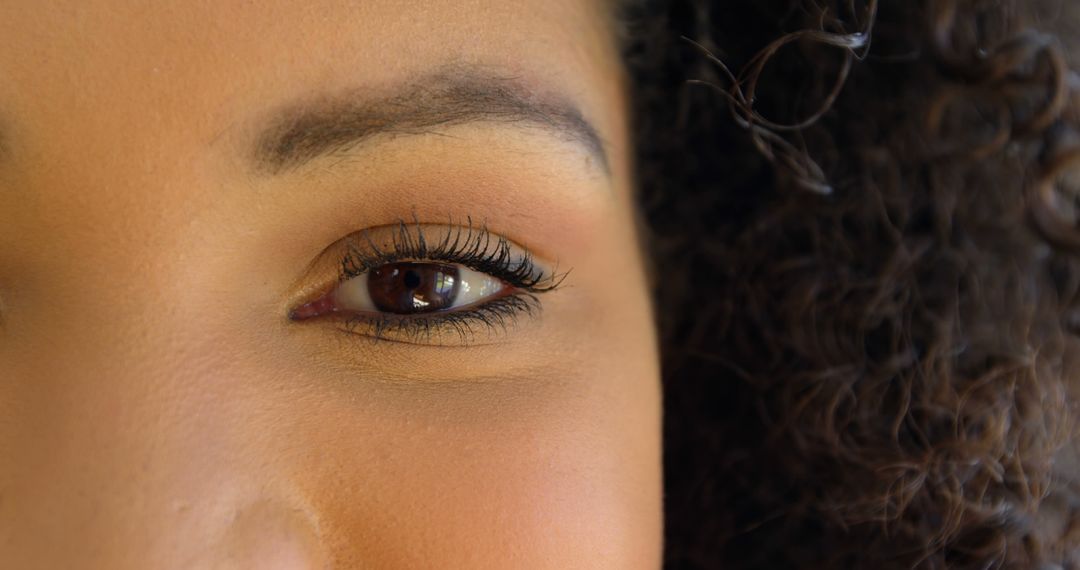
(512, 475)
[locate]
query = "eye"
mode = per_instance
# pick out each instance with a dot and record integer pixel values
(408, 288)
(427, 284)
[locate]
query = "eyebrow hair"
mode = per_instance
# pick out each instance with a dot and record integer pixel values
(445, 99)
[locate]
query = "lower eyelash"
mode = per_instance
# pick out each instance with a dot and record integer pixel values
(496, 315)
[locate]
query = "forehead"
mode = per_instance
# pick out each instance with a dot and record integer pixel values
(189, 70)
(242, 36)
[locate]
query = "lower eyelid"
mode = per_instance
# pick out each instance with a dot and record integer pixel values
(483, 321)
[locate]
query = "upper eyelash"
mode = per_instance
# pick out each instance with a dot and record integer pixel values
(469, 245)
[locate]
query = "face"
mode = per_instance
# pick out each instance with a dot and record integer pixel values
(321, 284)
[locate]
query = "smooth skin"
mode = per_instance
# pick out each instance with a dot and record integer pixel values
(158, 408)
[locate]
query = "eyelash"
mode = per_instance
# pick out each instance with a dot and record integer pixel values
(468, 245)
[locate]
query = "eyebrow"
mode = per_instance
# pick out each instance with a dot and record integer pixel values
(307, 132)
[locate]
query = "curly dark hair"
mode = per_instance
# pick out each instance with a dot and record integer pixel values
(863, 221)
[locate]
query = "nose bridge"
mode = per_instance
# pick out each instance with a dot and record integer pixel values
(126, 436)
(98, 255)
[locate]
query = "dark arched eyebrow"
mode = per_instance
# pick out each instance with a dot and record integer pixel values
(314, 130)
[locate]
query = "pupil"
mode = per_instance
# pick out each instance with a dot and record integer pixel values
(413, 287)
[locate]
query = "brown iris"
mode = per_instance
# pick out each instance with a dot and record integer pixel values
(413, 287)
